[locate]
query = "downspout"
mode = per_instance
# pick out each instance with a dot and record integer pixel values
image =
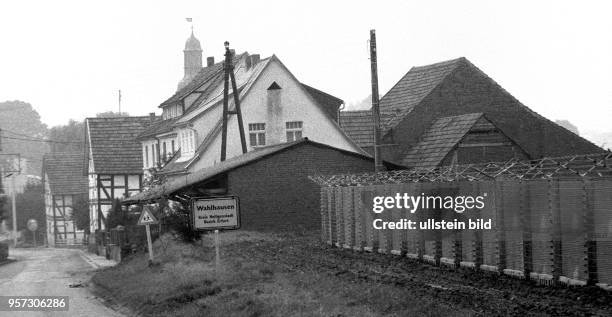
(342, 106)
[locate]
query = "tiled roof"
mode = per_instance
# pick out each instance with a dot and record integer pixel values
(64, 172)
(175, 184)
(439, 140)
(329, 102)
(159, 127)
(411, 89)
(114, 146)
(205, 74)
(358, 126)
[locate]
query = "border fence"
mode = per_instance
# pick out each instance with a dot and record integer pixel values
(551, 218)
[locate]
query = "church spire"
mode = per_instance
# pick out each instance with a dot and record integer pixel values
(192, 59)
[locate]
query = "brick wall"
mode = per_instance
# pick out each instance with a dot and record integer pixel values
(275, 193)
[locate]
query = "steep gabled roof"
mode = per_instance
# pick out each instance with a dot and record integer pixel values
(409, 91)
(329, 102)
(439, 140)
(113, 144)
(63, 172)
(206, 74)
(177, 166)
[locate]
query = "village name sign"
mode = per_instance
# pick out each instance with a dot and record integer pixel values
(216, 213)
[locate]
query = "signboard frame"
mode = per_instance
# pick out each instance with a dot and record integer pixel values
(204, 198)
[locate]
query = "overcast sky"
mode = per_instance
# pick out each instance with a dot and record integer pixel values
(69, 58)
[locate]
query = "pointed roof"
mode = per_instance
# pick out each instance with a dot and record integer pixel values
(213, 74)
(63, 172)
(439, 139)
(409, 91)
(113, 144)
(192, 43)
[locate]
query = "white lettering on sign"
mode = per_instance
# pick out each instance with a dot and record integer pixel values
(215, 213)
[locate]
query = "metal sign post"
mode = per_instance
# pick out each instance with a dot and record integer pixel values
(147, 219)
(214, 213)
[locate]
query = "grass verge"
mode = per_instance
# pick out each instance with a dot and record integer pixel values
(185, 282)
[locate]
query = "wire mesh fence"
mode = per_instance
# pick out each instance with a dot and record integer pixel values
(547, 224)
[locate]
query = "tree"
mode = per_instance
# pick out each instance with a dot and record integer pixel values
(119, 216)
(31, 205)
(80, 213)
(568, 125)
(24, 133)
(68, 138)
(111, 114)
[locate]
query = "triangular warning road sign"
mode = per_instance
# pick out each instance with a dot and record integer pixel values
(146, 217)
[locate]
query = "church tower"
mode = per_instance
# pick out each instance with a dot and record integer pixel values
(193, 59)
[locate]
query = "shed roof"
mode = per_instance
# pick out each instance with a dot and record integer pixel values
(179, 182)
(113, 144)
(439, 139)
(64, 173)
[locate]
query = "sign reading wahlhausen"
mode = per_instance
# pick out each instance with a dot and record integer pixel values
(216, 213)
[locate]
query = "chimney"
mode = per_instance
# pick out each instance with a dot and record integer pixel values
(152, 116)
(254, 59)
(247, 62)
(210, 60)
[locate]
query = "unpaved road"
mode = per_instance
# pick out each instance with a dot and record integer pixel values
(49, 272)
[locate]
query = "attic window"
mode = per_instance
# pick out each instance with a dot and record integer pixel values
(274, 86)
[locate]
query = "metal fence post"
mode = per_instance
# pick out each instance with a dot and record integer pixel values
(501, 228)
(589, 226)
(525, 214)
(554, 201)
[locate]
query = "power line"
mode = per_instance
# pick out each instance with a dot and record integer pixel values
(42, 140)
(33, 138)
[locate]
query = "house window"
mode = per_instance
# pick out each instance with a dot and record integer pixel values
(164, 151)
(146, 156)
(172, 147)
(187, 142)
(294, 130)
(257, 134)
(154, 151)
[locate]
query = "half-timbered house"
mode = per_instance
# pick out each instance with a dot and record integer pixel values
(64, 185)
(114, 162)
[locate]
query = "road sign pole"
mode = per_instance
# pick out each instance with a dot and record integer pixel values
(217, 259)
(150, 244)
(14, 209)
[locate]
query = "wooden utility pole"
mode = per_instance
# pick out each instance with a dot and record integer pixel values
(378, 166)
(229, 75)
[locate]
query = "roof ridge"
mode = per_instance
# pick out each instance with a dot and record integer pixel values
(442, 63)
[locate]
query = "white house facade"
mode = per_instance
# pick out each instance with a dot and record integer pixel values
(276, 108)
